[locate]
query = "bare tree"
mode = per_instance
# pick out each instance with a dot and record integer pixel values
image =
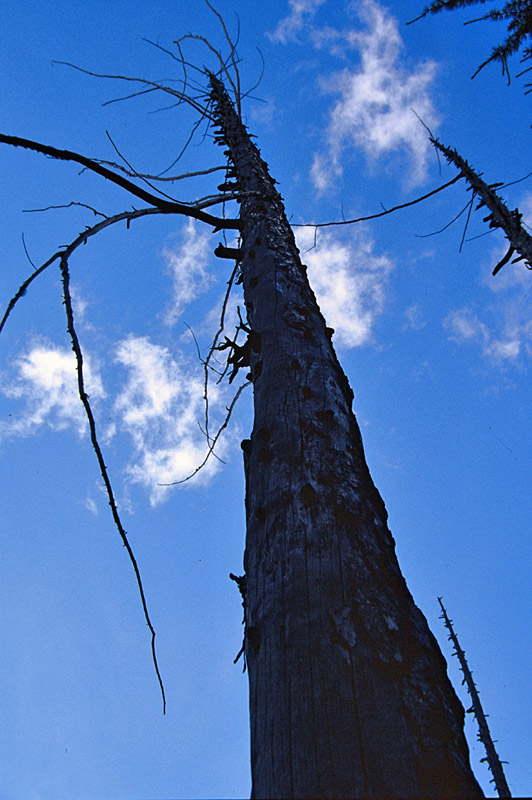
(349, 695)
(518, 15)
(499, 215)
(484, 735)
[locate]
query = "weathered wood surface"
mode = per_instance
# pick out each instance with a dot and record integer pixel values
(349, 695)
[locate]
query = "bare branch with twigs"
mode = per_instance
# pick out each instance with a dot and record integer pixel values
(379, 214)
(79, 240)
(214, 440)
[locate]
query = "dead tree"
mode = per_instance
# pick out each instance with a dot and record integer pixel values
(348, 690)
(349, 695)
(484, 735)
(499, 215)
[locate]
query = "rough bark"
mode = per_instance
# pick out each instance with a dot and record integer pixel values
(349, 695)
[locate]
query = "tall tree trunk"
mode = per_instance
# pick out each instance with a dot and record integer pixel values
(349, 695)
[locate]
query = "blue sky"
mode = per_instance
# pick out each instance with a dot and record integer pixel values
(437, 351)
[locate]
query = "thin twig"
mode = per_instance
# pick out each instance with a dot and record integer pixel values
(234, 61)
(103, 469)
(206, 362)
(161, 87)
(168, 178)
(26, 251)
(380, 214)
(66, 205)
(129, 96)
(79, 240)
(224, 69)
(466, 223)
(448, 225)
(214, 440)
(135, 173)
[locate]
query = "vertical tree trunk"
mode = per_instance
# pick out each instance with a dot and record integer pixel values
(349, 695)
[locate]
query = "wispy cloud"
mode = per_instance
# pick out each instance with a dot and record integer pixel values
(160, 407)
(349, 280)
(502, 342)
(188, 265)
(502, 327)
(45, 381)
(301, 11)
(91, 506)
(374, 111)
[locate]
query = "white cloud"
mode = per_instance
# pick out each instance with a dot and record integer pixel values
(323, 171)
(377, 99)
(300, 12)
(508, 337)
(46, 382)
(160, 407)
(525, 207)
(504, 329)
(188, 265)
(91, 506)
(349, 280)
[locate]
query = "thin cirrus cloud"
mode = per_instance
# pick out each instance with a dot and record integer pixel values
(376, 100)
(503, 332)
(349, 280)
(301, 12)
(501, 342)
(188, 265)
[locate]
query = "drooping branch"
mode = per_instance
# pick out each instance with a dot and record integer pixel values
(76, 347)
(165, 206)
(484, 735)
(500, 215)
